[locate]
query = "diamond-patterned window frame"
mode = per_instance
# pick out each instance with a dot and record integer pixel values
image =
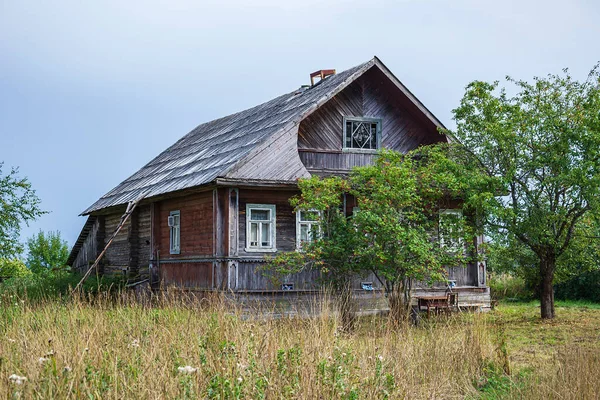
(349, 143)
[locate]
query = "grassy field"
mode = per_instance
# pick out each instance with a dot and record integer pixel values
(176, 349)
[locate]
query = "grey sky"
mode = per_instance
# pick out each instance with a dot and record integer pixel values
(91, 91)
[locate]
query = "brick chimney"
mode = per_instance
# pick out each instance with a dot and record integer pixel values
(322, 74)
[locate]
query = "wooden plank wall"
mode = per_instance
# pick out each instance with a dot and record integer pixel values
(193, 267)
(251, 278)
(187, 275)
(88, 251)
(196, 216)
(320, 135)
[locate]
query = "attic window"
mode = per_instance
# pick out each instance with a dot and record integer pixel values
(362, 133)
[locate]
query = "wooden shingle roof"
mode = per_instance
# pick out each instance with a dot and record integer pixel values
(214, 149)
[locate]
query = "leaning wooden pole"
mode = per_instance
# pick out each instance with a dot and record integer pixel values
(130, 207)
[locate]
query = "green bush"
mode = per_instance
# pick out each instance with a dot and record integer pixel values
(10, 268)
(35, 287)
(509, 287)
(585, 286)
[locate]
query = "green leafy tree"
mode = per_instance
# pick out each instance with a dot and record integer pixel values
(542, 142)
(394, 233)
(18, 204)
(47, 252)
(13, 268)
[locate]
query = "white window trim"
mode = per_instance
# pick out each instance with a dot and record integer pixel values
(377, 138)
(453, 247)
(299, 221)
(172, 249)
(260, 249)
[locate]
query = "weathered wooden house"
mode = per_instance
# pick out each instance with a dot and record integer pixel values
(216, 202)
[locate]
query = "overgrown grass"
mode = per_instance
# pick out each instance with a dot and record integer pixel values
(129, 350)
(558, 359)
(122, 348)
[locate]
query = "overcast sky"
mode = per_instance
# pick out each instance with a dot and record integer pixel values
(91, 91)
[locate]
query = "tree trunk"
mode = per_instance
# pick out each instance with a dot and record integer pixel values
(547, 265)
(399, 302)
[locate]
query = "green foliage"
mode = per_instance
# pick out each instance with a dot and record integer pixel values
(38, 287)
(18, 204)
(584, 286)
(47, 252)
(509, 287)
(13, 268)
(543, 145)
(393, 234)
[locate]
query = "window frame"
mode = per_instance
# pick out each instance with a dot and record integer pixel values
(273, 223)
(299, 222)
(379, 123)
(454, 246)
(175, 230)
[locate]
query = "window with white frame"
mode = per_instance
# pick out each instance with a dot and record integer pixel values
(174, 223)
(450, 230)
(307, 226)
(362, 133)
(260, 227)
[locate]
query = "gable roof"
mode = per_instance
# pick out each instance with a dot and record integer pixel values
(214, 148)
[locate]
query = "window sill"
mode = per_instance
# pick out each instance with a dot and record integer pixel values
(362, 151)
(259, 250)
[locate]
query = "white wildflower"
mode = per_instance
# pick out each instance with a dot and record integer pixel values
(12, 340)
(187, 370)
(135, 343)
(67, 369)
(86, 349)
(343, 354)
(43, 360)
(380, 358)
(16, 379)
(240, 379)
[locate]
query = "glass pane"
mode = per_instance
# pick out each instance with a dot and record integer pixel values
(253, 234)
(348, 134)
(176, 219)
(309, 216)
(260, 215)
(304, 233)
(266, 234)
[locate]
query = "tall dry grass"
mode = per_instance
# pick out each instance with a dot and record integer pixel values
(74, 348)
(574, 373)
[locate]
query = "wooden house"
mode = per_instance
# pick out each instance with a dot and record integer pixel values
(216, 202)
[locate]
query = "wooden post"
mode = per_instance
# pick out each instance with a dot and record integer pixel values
(130, 208)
